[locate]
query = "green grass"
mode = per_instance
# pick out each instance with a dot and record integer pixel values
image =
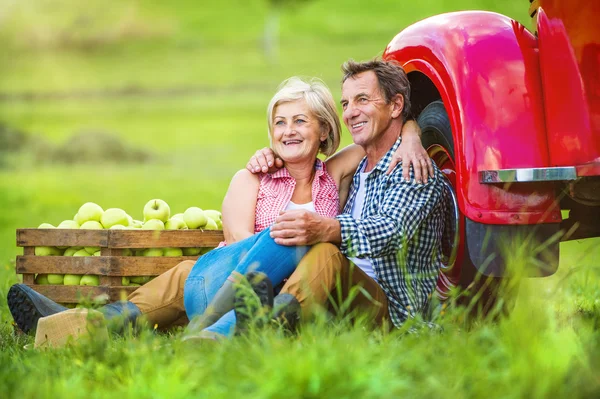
(548, 347)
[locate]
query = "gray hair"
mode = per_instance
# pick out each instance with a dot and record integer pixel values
(319, 101)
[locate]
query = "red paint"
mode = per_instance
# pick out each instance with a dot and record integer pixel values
(570, 137)
(486, 68)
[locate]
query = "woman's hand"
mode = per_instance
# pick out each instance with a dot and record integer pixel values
(411, 152)
(264, 160)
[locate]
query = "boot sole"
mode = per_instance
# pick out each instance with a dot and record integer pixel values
(26, 310)
(263, 289)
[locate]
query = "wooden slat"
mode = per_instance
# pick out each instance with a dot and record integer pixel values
(164, 238)
(69, 293)
(28, 278)
(63, 237)
(118, 293)
(110, 280)
(99, 265)
(145, 265)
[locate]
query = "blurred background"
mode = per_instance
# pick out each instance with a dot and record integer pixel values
(119, 102)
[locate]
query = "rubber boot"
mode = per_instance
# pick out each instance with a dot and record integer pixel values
(249, 311)
(27, 306)
(221, 303)
(286, 311)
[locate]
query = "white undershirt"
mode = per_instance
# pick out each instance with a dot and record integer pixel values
(365, 264)
(309, 206)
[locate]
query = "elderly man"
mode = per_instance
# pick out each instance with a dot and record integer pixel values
(388, 238)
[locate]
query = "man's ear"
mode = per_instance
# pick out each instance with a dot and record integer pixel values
(397, 105)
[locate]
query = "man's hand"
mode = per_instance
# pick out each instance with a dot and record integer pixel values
(301, 227)
(411, 151)
(264, 160)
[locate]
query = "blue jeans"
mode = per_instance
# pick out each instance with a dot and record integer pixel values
(256, 253)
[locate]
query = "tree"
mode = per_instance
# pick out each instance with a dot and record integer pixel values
(271, 30)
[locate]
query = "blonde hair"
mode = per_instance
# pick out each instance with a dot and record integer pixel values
(319, 101)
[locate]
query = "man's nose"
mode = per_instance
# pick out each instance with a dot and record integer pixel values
(350, 112)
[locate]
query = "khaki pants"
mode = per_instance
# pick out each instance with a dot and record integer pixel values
(315, 284)
(161, 300)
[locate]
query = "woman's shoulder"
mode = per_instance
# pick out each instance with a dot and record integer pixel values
(245, 176)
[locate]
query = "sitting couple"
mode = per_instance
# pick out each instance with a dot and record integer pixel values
(287, 224)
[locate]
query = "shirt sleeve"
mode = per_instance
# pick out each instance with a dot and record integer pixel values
(403, 208)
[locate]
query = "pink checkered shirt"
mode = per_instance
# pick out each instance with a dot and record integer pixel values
(276, 191)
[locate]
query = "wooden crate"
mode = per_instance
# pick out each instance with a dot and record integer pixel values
(110, 265)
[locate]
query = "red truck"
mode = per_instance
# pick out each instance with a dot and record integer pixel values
(512, 118)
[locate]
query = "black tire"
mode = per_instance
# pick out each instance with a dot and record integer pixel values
(437, 131)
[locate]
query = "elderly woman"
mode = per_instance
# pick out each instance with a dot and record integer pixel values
(302, 122)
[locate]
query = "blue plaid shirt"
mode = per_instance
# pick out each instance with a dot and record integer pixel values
(400, 231)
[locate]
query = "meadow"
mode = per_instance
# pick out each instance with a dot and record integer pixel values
(187, 82)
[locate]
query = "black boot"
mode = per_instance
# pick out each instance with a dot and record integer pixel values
(27, 306)
(286, 311)
(246, 312)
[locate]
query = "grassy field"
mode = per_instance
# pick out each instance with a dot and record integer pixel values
(187, 82)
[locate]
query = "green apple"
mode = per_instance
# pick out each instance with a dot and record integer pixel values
(42, 279)
(191, 251)
(127, 252)
(139, 279)
(175, 224)
(69, 305)
(194, 218)
(68, 224)
(56, 279)
(97, 253)
(153, 252)
(153, 224)
(134, 285)
(205, 250)
(125, 281)
(72, 279)
(91, 250)
(118, 227)
(46, 226)
(113, 216)
(177, 216)
(129, 219)
(47, 251)
(210, 225)
(157, 209)
(89, 211)
(137, 224)
(213, 214)
(172, 252)
(139, 252)
(82, 252)
(91, 225)
(70, 251)
(89, 279)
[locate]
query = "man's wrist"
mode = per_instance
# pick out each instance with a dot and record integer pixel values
(332, 231)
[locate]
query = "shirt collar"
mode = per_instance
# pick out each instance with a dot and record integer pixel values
(384, 162)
